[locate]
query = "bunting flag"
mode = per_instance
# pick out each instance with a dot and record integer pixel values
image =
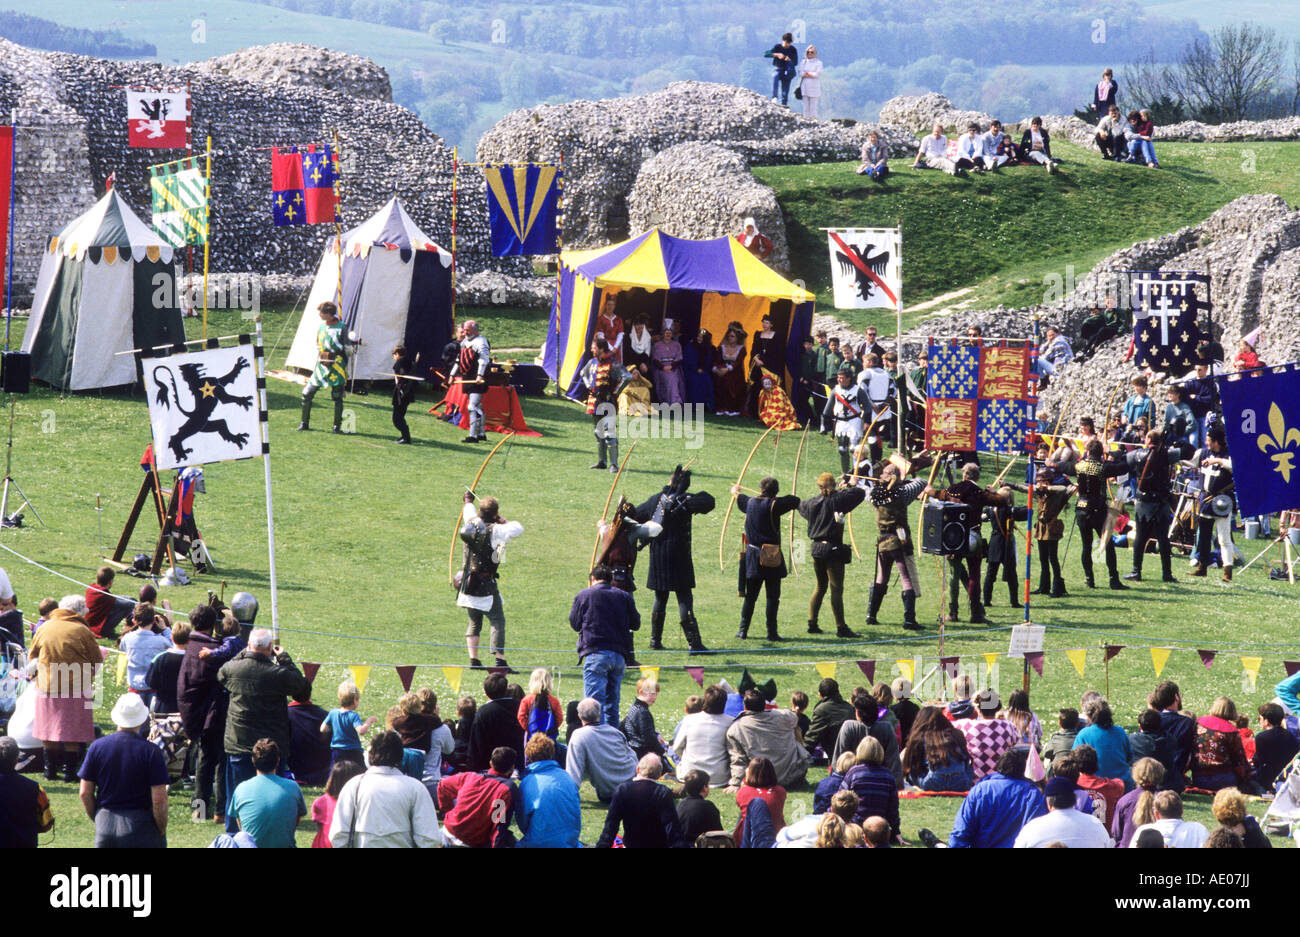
(180, 202)
(979, 398)
(121, 669)
(1251, 666)
(1207, 657)
(309, 670)
(991, 659)
(825, 669)
(303, 185)
(452, 675)
(651, 672)
(103, 653)
(1291, 667)
(1034, 769)
(157, 118)
(868, 668)
(523, 209)
(360, 674)
(697, 674)
(406, 674)
(1035, 660)
(1077, 657)
(1167, 306)
(908, 670)
(1159, 657)
(1112, 650)
(866, 267)
(949, 665)
(1261, 414)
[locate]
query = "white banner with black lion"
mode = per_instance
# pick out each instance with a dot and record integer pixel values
(202, 406)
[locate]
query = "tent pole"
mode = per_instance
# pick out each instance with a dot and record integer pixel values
(338, 229)
(898, 305)
(207, 232)
(9, 223)
(266, 466)
(559, 250)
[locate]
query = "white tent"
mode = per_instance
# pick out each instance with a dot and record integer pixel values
(393, 287)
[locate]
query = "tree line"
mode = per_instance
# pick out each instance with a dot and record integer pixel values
(37, 33)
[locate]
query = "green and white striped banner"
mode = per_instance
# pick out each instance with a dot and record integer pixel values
(180, 202)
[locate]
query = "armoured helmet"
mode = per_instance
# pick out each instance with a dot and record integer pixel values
(244, 607)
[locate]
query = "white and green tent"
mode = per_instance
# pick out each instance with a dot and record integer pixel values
(106, 285)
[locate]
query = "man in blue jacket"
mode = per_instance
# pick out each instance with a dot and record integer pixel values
(604, 618)
(548, 813)
(785, 61)
(998, 806)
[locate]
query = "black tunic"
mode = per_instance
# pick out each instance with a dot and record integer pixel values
(763, 526)
(670, 553)
(1002, 546)
(824, 530)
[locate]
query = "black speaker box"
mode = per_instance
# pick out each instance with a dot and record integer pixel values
(946, 527)
(15, 372)
(529, 379)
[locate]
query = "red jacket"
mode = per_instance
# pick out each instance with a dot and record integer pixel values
(1110, 789)
(99, 604)
(476, 807)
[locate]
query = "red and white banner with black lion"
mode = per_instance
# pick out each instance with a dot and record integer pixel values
(157, 118)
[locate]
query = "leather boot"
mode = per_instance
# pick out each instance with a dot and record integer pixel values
(1014, 594)
(977, 616)
(909, 611)
(743, 633)
(612, 445)
(1227, 573)
(52, 759)
(691, 628)
(71, 762)
(656, 632)
(812, 627)
(1058, 589)
(306, 414)
(1199, 570)
(873, 604)
(989, 578)
(338, 415)
(601, 451)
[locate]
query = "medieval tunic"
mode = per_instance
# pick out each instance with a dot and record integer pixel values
(331, 356)
(610, 328)
(697, 365)
(774, 407)
(671, 568)
(729, 380)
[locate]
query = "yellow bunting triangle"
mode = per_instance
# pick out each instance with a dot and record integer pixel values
(360, 674)
(908, 670)
(1251, 665)
(452, 676)
(826, 669)
(1159, 657)
(121, 669)
(651, 672)
(991, 658)
(1077, 657)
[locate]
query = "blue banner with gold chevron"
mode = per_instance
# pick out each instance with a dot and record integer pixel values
(1261, 413)
(523, 209)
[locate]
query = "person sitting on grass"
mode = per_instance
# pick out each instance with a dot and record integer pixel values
(1137, 807)
(802, 834)
(322, 808)
(1150, 742)
(599, 752)
(970, 149)
(477, 807)
(868, 722)
(639, 723)
(987, 736)
(760, 784)
(1169, 823)
(933, 154)
(875, 158)
(549, 813)
(874, 785)
(834, 780)
(1062, 739)
(1063, 823)
(936, 758)
(696, 812)
(1230, 810)
(759, 732)
(1113, 132)
(1109, 789)
(1274, 746)
(996, 809)
(1036, 145)
(1109, 741)
(1141, 148)
(996, 147)
(828, 715)
(644, 809)
(383, 808)
(1220, 760)
(268, 807)
(701, 739)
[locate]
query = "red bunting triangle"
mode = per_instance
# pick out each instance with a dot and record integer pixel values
(868, 668)
(949, 665)
(1112, 650)
(697, 674)
(1207, 657)
(309, 671)
(501, 670)
(1035, 659)
(1291, 667)
(406, 674)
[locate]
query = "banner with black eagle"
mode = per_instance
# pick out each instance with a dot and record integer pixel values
(979, 398)
(1167, 307)
(524, 208)
(866, 267)
(1261, 414)
(205, 406)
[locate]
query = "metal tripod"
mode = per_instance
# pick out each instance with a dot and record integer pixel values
(9, 482)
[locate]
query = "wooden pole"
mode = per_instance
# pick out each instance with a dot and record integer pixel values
(266, 467)
(207, 235)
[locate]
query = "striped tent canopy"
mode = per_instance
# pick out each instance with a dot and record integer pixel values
(392, 228)
(111, 227)
(698, 284)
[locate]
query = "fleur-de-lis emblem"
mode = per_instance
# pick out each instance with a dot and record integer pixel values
(1285, 441)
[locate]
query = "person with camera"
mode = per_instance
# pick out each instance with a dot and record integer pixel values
(825, 515)
(1216, 502)
(785, 62)
(485, 533)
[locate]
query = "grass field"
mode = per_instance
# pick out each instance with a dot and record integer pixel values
(363, 530)
(1004, 234)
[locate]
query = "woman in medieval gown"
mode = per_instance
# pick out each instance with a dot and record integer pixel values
(766, 353)
(670, 387)
(697, 365)
(637, 347)
(729, 383)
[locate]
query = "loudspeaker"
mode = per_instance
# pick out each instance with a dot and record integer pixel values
(946, 527)
(15, 372)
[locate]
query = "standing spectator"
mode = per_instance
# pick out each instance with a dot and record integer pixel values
(162, 677)
(998, 806)
(66, 657)
(1109, 741)
(1136, 808)
(268, 807)
(344, 726)
(760, 783)
(695, 812)
(785, 62)
(1105, 93)
(645, 810)
(124, 782)
(875, 158)
(828, 715)
(540, 710)
(495, 725)
(1113, 133)
(639, 723)
(1141, 149)
(987, 737)
(1230, 810)
(258, 681)
(24, 805)
(1220, 760)
(933, 154)
(874, 784)
(1169, 823)
(11, 617)
(383, 808)
(1063, 823)
(810, 85)
(599, 752)
(701, 740)
(764, 561)
(1036, 145)
(103, 609)
(604, 618)
(773, 734)
(1274, 746)
(322, 808)
(477, 806)
(549, 815)
(203, 704)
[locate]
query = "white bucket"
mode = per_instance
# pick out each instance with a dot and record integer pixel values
(1252, 530)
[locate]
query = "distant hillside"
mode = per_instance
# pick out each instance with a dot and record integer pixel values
(37, 33)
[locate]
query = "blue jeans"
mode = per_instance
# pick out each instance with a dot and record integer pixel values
(1143, 151)
(781, 84)
(239, 768)
(602, 672)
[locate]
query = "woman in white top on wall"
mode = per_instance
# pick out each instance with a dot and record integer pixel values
(810, 81)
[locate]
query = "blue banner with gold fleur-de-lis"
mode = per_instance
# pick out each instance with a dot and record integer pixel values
(523, 208)
(1261, 413)
(979, 398)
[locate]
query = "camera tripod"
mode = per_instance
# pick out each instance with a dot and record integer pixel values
(9, 483)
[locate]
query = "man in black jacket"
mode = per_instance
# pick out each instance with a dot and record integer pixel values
(697, 814)
(202, 705)
(825, 515)
(1150, 465)
(495, 723)
(646, 811)
(671, 567)
(1176, 726)
(604, 618)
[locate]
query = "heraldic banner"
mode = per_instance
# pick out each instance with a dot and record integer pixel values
(157, 118)
(204, 406)
(523, 208)
(1261, 413)
(979, 398)
(1167, 307)
(866, 267)
(180, 202)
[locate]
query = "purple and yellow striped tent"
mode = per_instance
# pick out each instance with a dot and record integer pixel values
(698, 284)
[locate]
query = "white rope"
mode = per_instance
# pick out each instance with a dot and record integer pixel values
(84, 585)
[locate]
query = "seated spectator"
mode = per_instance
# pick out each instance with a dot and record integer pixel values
(874, 785)
(540, 710)
(1220, 759)
(1246, 359)
(1223, 838)
(762, 733)
(344, 725)
(936, 758)
(549, 814)
(1109, 789)
(1230, 810)
(309, 750)
(124, 783)
(599, 752)
(970, 149)
(322, 808)
(643, 808)
(442, 741)
(1141, 146)
(24, 805)
(833, 781)
(875, 833)
(413, 724)
(866, 722)
(639, 723)
(383, 808)
(696, 813)
(1169, 823)
(477, 807)
(164, 671)
(933, 153)
(1113, 132)
(1101, 325)
(1018, 713)
(758, 831)
(802, 834)
(1149, 839)
(828, 715)
(701, 740)
(1179, 728)
(1056, 352)
(904, 708)
(1110, 743)
(760, 783)
(1137, 807)
(466, 710)
(104, 611)
(987, 736)
(495, 725)
(1274, 746)
(961, 707)
(268, 807)
(1150, 742)
(759, 244)
(1062, 739)
(1063, 824)
(1036, 145)
(831, 832)
(875, 158)
(798, 706)
(998, 806)
(996, 148)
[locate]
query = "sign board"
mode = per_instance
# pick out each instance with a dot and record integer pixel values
(1026, 639)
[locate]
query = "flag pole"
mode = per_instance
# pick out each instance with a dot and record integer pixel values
(1029, 513)
(338, 227)
(898, 304)
(189, 248)
(266, 465)
(9, 223)
(559, 270)
(207, 233)
(455, 169)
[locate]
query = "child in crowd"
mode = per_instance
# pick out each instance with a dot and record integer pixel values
(694, 704)
(639, 723)
(1274, 746)
(344, 725)
(322, 808)
(412, 758)
(232, 641)
(827, 787)
(696, 813)
(442, 741)
(1139, 405)
(143, 639)
(465, 710)
(799, 703)
(1062, 739)
(44, 609)
(1151, 742)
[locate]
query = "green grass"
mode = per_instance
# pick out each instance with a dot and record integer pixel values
(363, 529)
(1005, 234)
